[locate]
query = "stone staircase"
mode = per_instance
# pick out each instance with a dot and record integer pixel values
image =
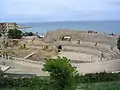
(89, 49)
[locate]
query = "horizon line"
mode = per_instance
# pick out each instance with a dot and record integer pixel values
(71, 21)
(60, 21)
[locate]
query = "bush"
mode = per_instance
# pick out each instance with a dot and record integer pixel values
(99, 77)
(28, 34)
(15, 34)
(62, 74)
(31, 34)
(24, 82)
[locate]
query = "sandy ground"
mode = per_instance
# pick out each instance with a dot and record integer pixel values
(88, 50)
(84, 52)
(78, 56)
(21, 67)
(108, 66)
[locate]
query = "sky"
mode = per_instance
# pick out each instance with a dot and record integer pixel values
(59, 10)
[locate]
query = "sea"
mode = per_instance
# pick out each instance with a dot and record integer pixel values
(100, 26)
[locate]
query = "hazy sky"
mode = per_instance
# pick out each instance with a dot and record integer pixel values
(59, 10)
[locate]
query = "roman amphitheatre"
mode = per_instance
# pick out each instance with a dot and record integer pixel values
(89, 51)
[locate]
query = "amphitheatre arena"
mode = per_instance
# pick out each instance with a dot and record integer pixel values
(89, 51)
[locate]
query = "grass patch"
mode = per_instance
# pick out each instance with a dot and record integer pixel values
(98, 81)
(82, 86)
(99, 86)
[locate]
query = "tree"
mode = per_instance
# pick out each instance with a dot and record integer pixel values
(118, 43)
(31, 34)
(28, 34)
(15, 34)
(62, 73)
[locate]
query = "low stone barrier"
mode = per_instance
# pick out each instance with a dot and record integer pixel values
(29, 61)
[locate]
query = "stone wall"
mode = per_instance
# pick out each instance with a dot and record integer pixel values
(81, 35)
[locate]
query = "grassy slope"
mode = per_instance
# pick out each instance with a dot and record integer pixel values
(100, 86)
(87, 86)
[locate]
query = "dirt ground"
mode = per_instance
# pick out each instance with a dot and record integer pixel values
(36, 45)
(83, 52)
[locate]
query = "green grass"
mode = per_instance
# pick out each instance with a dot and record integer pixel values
(101, 81)
(20, 88)
(82, 86)
(24, 88)
(100, 86)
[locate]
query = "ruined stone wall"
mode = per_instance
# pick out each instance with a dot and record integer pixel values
(81, 35)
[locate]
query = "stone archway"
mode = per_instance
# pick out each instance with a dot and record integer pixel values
(65, 38)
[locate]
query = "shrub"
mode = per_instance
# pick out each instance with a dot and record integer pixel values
(99, 77)
(62, 74)
(31, 34)
(28, 34)
(24, 82)
(15, 34)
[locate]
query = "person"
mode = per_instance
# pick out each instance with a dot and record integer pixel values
(46, 47)
(62, 39)
(59, 48)
(70, 40)
(6, 55)
(78, 41)
(96, 44)
(24, 45)
(102, 56)
(111, 47)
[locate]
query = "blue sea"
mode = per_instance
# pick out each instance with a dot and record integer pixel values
(101, 26)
